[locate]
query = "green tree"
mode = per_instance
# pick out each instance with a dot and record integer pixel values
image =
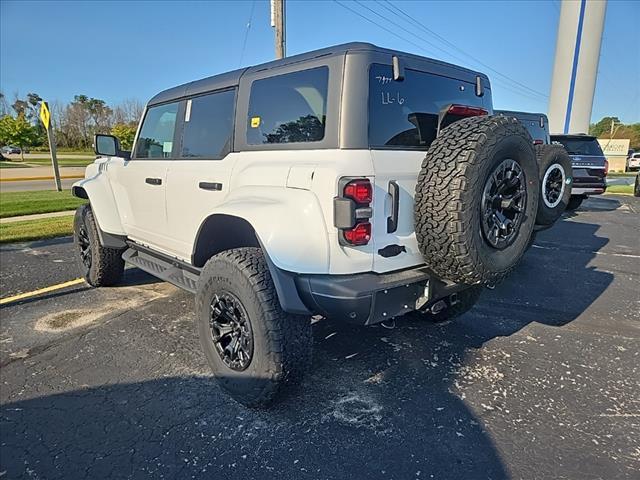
(17, 131)
(603, 127)
(125, 132)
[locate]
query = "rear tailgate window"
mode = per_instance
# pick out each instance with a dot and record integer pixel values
(404, 114)
(580, 146)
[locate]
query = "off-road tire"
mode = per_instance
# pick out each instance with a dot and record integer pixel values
(464, 301)
(282, 342)
(574, 202)
(449, 194)
(553, 160)
(105, 265)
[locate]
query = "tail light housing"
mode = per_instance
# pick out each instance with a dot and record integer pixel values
(359, 190)
(537, 141)
(358, 235)
(352, 211)
(466, 111)
(606, 167)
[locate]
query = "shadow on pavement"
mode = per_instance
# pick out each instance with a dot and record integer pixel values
(379, 403)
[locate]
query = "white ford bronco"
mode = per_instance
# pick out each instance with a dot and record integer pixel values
(354, 182)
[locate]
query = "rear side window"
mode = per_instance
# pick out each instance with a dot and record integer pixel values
(208, 125)
(156, 136)
(288, 108)
(405, 114)
(579, 146)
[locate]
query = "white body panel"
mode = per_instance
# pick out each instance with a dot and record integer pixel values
(287, 197)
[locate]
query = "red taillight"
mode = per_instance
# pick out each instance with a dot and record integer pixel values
(358, 235)
(537, 141)
(606, 167)
(360, 191)
(466, 111)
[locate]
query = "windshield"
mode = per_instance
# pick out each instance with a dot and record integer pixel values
(404, 114)
(580, 146)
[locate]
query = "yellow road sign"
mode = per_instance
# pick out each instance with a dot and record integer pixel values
(45, 116)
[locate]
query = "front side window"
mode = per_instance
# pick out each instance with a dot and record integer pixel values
(405, 113)
(208, 125)
(156, 136)
(288, 108)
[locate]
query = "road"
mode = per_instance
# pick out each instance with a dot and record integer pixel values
(27, 185)
(540, 380)
(626, 180)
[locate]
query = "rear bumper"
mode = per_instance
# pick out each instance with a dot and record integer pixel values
(370, 298)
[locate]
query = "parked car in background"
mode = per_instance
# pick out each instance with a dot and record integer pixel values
(8, 150)
(590, 166)
(633, 162)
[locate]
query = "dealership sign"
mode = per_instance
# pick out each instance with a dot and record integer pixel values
(615, 147)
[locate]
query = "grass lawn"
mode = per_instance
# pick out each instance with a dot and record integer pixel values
(621, 174)
(12, 165)
(624, 189)
(39, 201)
(36, 229)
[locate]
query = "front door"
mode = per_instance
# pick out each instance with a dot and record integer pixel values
(139, 184)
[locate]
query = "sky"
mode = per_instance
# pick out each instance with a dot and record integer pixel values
(133, 49)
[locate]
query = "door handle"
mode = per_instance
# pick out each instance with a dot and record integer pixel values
(392, 221)
(153, 181)
(210, 186)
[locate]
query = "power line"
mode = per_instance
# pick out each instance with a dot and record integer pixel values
(431, 53)
(458, 49)
(383, 27)
(246, 33)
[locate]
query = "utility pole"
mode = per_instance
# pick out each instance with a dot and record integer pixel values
(278, 22)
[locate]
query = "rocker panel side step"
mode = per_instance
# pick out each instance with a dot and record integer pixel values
(165, 268)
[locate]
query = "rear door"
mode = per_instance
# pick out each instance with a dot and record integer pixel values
(198, 179)
(403, 121)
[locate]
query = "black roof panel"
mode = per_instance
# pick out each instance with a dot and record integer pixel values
(231, 79)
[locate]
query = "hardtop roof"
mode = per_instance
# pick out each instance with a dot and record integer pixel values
(232, 79)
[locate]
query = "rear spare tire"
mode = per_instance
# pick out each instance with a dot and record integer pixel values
(556, 179)
(476, 199)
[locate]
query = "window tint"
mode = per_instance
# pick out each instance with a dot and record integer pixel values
(579, 146)
(405, 113)
(156, 136)
(288, 108)
(208, 125)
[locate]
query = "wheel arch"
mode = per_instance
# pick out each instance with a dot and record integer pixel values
(105, 210)
(240, 233)
(237, 233)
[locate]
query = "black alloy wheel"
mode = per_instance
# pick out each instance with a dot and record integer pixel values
(84, 244)
(231, 331)
(503, 204)
(553, 185)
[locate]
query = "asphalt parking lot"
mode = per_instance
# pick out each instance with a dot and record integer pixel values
(540, 380)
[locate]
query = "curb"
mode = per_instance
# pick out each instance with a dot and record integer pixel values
(26, 179)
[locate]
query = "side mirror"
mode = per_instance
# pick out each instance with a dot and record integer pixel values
(109, 146)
